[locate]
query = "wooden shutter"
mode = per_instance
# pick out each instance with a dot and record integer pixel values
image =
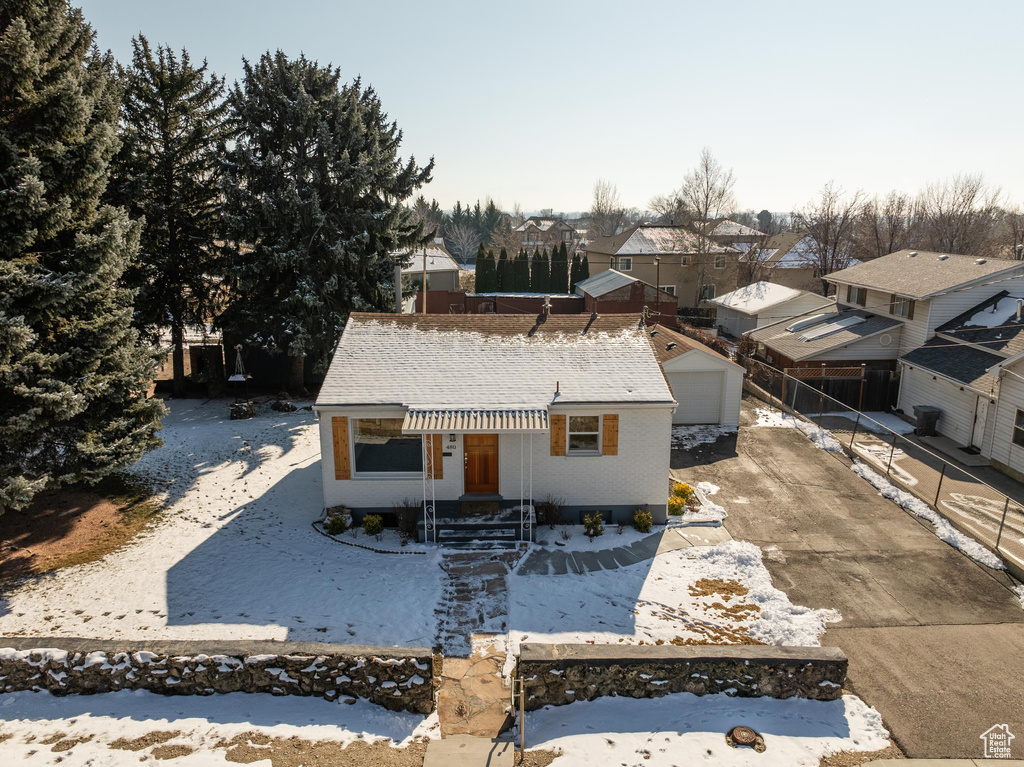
(342, 466)
(558, 425)
(892, 303)
(610, 435)
(436, 455)
(848, 289)
(910, 310)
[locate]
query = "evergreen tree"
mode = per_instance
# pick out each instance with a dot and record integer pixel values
(484, 271)
(559, 270)
(523, 273)
(313, 188)
(73, 371)
(584, 268)
(504, 281)
(574, 271)
(540, 275)
(173, 115)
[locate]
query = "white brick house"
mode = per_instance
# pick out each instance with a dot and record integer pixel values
(455, 411)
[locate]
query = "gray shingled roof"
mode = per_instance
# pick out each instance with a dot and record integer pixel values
(997, 331)
(921, 273)
(959, 362)
(646, 239)
(788, 342)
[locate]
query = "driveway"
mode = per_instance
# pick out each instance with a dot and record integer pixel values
(935, 640)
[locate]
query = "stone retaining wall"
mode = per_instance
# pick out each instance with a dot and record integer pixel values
(398, 678)
(560, 674)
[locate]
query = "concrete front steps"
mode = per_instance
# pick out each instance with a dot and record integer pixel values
(485, 532)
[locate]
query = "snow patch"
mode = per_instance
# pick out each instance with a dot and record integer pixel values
(688, 437)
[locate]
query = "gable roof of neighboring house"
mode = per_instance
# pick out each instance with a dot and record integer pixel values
(543, 224)
(500, 361)
(922, 274)
(992, 325)
(437, 261)
(723, 227)
(958, 362)
(831, 330)
(644, 239)
(669, 344)
(604, 282)
(757, 297)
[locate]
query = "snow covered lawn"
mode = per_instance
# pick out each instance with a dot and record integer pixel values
(685, 729)
(234, 555)
(124, 728)
(549, 538)
(708, 594)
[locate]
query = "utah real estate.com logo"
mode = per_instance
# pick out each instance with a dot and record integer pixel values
(997, 741)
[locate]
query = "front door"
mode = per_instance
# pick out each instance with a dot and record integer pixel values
(480, 457)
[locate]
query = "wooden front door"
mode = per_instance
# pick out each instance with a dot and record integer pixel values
(480, 457)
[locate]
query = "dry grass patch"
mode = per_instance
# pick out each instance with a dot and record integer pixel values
(708, 587)
(854, 758)
(147, 740)
(294, 752)
(537, 758)
(171, 752)
(74, 525)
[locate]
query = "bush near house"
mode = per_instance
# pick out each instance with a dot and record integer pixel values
(373, 524)
(681, 494)
(336, 524)
(707, 339)
(593, 525)
(550, 511)
(407, 515)
(642, 520)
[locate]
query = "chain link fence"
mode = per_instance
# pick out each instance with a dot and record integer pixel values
(966, 501)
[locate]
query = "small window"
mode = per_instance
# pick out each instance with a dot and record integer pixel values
(684, 261)
(720, 261)
(567, 236)
(668, 288)
(625, 264)
(707, 292)
(858, 296)
(585, 434)
(903, 307)
(1018, 428)
(379, 447)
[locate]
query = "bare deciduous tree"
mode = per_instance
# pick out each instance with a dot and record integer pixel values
(607, 215)
(829, 221)
(462, 241)
(958, 215)
(1012, 234)
(886, 225)
(706, 195)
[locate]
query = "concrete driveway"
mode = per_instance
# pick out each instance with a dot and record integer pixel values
(935, 640)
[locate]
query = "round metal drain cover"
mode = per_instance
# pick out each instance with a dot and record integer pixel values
(744, 736)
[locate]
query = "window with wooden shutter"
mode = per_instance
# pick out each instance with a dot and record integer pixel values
(848, 294)
(610, 435)
(558, 423)
(342, 464)
(436, 456)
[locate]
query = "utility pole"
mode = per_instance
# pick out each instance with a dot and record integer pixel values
(657, 287)
(424, 288)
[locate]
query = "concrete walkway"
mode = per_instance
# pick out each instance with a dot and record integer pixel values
(935, 640)
(558, 562)
(467, 751)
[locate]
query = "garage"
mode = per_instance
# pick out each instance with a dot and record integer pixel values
(707, 385)
(699, 396)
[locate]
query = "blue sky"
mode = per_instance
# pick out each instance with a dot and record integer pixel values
(532, 102)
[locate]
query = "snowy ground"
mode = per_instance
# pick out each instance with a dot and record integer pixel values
(235, 556)
(688, 437)
(708, 594)
(821, 438)
(549, 538)
(686, 729)
(39, 728)
(888, 420)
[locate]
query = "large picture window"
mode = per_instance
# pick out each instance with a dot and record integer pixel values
(381, 448)
(584, 434)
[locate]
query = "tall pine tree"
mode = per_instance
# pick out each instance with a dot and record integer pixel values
(504, 277)
(73, 370)
(173, 118)
(540, 274)
(523, 273)
(484, 276)
(584, 268)
(559, 271)
(313, 190)
(574, 272)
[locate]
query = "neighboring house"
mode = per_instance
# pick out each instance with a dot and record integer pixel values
(612, 292)
(762, 303)
(456, 412)
(734, 235)
(707, 386)
(669, 257)
(786, 259)
(547, 233)
(442, 270)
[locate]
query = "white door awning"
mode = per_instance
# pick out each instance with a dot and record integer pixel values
(424, 420)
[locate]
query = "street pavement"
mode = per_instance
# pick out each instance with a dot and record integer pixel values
(935, 640)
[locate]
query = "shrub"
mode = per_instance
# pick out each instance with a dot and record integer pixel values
(550, 511)
(679, 497)
(373, 524)
(407, 516)
(336, 524)
(593, 524)
(642, 520)
(714, 342)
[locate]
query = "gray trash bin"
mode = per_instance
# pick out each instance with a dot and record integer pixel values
(927, 417)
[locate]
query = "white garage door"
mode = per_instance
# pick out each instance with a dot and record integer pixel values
(699, 396)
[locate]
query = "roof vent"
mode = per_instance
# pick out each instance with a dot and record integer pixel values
(912, 253)
(654, 333)
(671, 346)
(943, 257)
(979, 261)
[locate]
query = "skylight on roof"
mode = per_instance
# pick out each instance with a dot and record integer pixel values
(832, 327)
(809, 322)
